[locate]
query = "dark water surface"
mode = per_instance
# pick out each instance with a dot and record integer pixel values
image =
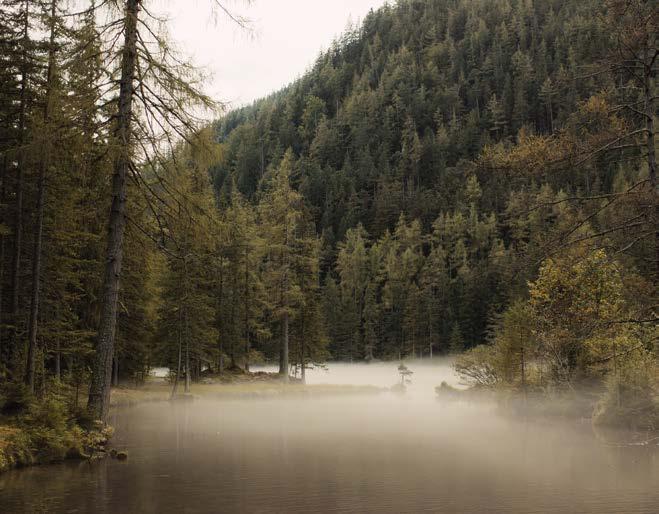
(382, 453)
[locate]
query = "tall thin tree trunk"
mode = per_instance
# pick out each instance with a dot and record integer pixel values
(18, 220)
(523, 363)
(430, 334)
(283, 364)
(649, 97)
(180, 351)
(247, 343)
(234, 328)
(58, 362)
(284, 347)
(615, 373)
(187, 355)
(42, 369)
(3, 190)
(220, 325)
(99, 392)
(186, 330)
(303, 364)
(36, 271)
(41, 198)
(551, 116)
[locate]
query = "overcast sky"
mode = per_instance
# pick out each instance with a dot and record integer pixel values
(288, 37)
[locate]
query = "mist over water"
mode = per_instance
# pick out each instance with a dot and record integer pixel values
(346, 453)
(427, 374)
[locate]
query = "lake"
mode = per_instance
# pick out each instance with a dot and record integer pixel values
(345, 453)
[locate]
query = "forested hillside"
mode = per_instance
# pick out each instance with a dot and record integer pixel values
(444, 148)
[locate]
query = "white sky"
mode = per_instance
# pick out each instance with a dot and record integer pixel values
(289, 34)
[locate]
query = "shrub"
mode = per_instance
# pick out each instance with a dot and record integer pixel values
(477, 367)
(631, 399)
(15, 399)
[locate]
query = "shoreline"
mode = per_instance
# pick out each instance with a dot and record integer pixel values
(23, 445)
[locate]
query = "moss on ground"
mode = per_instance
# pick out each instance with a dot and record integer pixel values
(44, 430)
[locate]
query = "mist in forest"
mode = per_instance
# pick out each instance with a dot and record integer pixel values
(426, 374)
(384, 452)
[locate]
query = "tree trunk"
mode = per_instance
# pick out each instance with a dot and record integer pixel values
(615, 373)
(187, 363)
(186, 335)
(303, 364)
(99, 392)
(180, 351)
(234, 328)
(18, 220)
(649, 96)
(283, 361)
(3, 352)
(115, 371)
(551, 117)
(42, 369)
(220, 325)
(284, 348)
(247, 343)
(523, 364)
(41, 196)
(34, 306)
(58, 362)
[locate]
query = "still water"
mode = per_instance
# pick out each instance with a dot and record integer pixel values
(382, 453)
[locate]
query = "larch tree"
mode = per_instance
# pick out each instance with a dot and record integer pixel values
(156, 95)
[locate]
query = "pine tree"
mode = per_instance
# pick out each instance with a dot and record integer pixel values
(352, 266)
(291, 244)
(456, 342)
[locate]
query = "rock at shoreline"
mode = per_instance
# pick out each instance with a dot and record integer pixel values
(77, 453)
(119, 454)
